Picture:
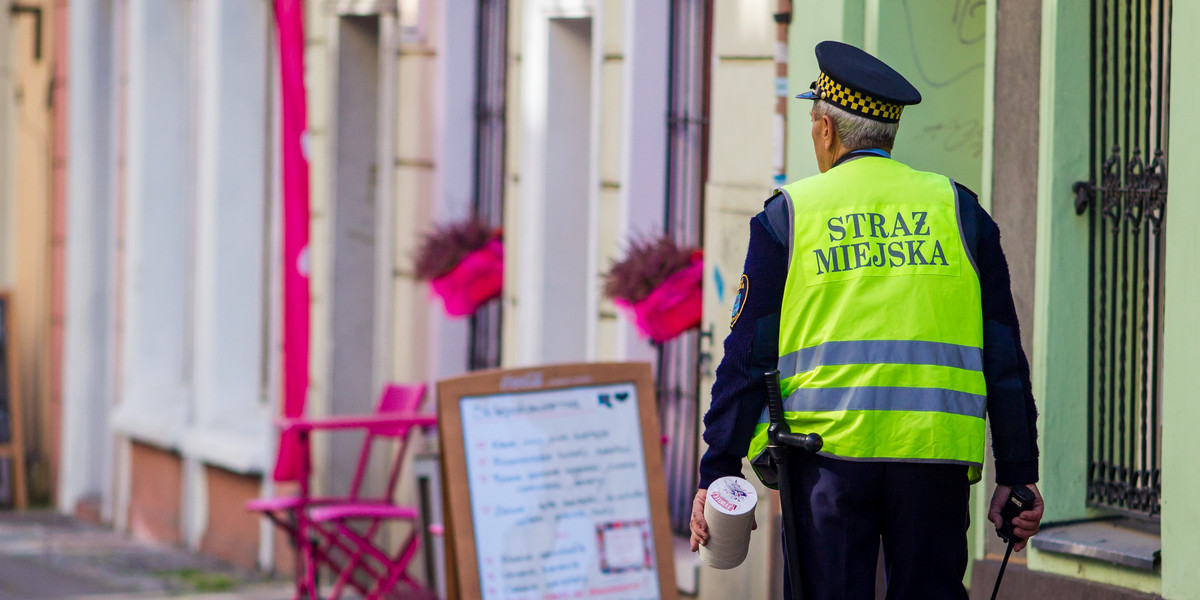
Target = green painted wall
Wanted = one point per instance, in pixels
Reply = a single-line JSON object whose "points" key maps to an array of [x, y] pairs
{"points": [[1181, 346], [1147, 582], [1060, 365], [1060, 328], [939, 46], [989, 106], [817, 22], [939, 53]]}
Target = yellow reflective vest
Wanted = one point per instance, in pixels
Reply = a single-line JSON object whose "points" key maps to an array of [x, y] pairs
{"points": [[880, 333]]}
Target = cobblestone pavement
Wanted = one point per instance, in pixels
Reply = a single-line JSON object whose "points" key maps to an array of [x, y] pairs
{"points": [[47, 555]]}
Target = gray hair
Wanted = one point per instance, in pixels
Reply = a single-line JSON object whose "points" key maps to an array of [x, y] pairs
{"points": [[857, 132]]}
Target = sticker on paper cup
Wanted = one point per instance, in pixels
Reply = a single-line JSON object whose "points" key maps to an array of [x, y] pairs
{"points": [[733, 495]]}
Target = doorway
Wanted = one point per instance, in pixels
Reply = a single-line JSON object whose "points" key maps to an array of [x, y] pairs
{"points": [[354, 214], [565, 219]]}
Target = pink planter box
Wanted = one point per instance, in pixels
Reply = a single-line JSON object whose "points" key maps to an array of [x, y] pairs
{"points": [[672, 308], [478, 278]]}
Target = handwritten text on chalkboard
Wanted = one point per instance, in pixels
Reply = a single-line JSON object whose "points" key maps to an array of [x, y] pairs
{"points": [[559, 493]]}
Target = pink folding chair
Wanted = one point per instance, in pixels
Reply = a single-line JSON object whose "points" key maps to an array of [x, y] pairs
{"points": [[320, 526]]}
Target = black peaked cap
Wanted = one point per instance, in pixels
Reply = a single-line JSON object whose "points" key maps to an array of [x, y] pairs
{"points": [[854, 72]]}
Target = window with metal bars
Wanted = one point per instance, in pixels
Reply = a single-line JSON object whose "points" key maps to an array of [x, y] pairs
{"points": [[687, 160], [490, 94], [1125, 204]]}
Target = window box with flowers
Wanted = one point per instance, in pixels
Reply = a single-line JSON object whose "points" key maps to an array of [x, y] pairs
{"points": [[464, 264], [658, 286]]}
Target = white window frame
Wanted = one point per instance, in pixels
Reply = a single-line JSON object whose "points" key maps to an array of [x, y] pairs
{"points": [[155, 372], [534, 205], [207, 390], [236, 208]]}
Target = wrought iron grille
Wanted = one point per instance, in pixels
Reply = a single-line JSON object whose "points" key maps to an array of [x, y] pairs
{"points": [[687, 160], [490, 91], [1125, 204]]}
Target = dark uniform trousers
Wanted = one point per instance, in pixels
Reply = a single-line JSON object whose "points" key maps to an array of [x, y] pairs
{"points": [[918, 509]]}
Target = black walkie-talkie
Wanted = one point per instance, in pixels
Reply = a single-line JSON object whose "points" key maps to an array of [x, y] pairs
{"points": [[1020, 499]]}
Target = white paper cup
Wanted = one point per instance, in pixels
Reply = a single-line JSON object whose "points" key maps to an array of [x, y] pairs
{"points": [[729, 512]]}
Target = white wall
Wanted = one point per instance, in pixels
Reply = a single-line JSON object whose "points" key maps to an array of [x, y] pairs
{"points": [[89, 340], [231, 397], [159, 191], [623, 191], [740, 178], [168, 339], [565, 230], [555, 282], [643, 141], [454, 148]]}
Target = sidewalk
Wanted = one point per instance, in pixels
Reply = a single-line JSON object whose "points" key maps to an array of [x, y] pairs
{"points": [[46, 555]]}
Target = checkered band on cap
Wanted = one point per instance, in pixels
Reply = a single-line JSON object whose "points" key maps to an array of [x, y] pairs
{"points": [[856, 101]]}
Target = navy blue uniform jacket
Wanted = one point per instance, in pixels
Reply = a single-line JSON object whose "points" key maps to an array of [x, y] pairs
{"points": [[739, 394]]}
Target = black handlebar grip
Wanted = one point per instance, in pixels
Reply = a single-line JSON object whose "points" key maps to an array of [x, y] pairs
{"points": [[1020, 499], [774, 396], [810, 442]]}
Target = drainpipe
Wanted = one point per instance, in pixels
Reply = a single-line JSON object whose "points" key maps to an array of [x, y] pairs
{"points": [[17, 10], [783, 18]]}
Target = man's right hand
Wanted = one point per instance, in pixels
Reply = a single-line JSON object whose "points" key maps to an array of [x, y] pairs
{"points": [[699, 526], [1026, 524]]}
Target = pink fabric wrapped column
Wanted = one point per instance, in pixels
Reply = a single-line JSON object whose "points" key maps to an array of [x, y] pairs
{"points": [[289, 21]]}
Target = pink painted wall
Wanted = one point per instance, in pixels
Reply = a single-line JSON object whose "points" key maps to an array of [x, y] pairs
{"points": [[58, 238]]}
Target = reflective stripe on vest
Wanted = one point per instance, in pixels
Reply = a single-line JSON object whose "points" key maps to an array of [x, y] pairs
{"points": [[881, 334], [880, 351]]}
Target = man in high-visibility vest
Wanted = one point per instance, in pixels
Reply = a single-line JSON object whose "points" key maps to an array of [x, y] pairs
{"points": [[881, 294]]}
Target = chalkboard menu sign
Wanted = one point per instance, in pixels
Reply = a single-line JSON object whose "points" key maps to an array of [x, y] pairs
{"points": [[555, 484]]}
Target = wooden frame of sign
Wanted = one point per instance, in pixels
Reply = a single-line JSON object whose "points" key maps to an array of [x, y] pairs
{"points": [[537, 435], [14, 448]]}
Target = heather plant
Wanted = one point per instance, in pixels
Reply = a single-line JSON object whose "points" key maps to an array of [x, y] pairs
{"points": [[443, 248], [647, 264]]}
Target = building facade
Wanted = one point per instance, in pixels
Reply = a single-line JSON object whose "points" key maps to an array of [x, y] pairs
{"points": [[32, 115], [1142, 409], [171, 375], [578, 126], [1065, 107]]}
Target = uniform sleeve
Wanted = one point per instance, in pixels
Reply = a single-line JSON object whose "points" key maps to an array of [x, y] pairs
{"points": [[1010, 403], [739, 393]]}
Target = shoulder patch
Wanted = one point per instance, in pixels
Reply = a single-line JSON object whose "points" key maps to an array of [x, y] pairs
{"points": [[739, 301]]}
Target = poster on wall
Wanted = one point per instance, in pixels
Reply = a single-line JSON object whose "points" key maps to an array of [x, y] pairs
{"points": [[555, 484]]}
